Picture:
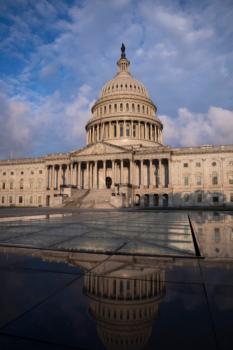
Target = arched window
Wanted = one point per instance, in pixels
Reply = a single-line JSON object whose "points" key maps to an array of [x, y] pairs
{"points": [[143, 109], [121, 107], [105, 109], [109, 108], [3, 185], [127, 107], [133, 107], [115, 107], [11, 185], [138, 108]]}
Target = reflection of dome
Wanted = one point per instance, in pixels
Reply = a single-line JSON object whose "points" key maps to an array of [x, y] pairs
{"points": [[124, 308]]}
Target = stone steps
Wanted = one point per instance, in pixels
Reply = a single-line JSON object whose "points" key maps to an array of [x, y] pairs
{"points": [[94, 198]]}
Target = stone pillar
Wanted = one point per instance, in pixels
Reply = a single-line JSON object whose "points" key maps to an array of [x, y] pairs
{"points": [[113, 173], [95, 175], [88, 174], [48, 177], [104, 173], [59, 177], [160, 174], [51, 177], [79, 174], [131, 171], [55, 177], [152, 172], [121, 171]]}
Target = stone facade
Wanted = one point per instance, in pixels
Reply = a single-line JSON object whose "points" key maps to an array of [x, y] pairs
{"points": [[124, 163]]}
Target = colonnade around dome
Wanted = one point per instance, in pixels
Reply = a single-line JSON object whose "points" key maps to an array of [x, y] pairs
{"points": [[129, 129]]}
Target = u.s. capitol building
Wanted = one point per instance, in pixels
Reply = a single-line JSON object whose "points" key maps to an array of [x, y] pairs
{"points": [[124, 163]]}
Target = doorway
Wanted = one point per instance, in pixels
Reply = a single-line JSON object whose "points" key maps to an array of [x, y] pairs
{"points": [[108, 182]]}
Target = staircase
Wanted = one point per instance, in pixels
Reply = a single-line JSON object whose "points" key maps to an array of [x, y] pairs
{"points": [[94, 198]]}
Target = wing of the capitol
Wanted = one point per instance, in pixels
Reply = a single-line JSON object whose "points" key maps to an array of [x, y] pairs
{"points": [[124, 163]]}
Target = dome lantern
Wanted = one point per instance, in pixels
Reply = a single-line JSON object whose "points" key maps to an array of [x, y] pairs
{"points": [[123, 63]]}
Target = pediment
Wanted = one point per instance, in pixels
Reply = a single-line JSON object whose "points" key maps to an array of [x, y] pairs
{"points": [[100, 148]]}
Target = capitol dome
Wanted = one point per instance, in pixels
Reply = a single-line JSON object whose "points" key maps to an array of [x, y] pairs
{"points": [[124, 113]]}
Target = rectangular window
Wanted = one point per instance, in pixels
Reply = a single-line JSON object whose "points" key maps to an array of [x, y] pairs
{"points": [[115, 131], [121, 130], [215, 199], [39, 200], [198, 164], [134, 130], [127, 130], [3, 200], [198, 180], [40, 172], [20, 199], [230, 179], [217, 235], [186, 165], [231, 197], [31, 200], [10, 200], [199, 198], [186, 181], [214, 180], [11, 185], [3, 186]]}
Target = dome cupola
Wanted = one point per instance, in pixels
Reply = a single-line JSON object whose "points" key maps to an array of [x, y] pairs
{"points": [[124, 114]]}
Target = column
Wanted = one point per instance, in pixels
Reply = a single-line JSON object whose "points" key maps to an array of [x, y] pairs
{"points": [[59, 177], [113, 173], [56, 177], [48, 177], [81, 180], [151, 173], [68, 174], [88, 174], [79, 176], [160, 174], [71, 174], [95, 175], [121, 171], [131, 171], [118, 129], [53, 177], [139, 173], [104, 173]]}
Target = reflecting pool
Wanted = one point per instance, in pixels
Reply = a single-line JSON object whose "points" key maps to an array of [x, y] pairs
{"points": [[117, 280]]}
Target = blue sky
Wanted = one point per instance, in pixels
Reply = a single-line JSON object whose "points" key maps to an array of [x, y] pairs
{"points": [[55, 56]]}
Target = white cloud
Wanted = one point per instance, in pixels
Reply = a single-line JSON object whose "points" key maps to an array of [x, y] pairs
{"points": [[193, 129], [15, 130]]}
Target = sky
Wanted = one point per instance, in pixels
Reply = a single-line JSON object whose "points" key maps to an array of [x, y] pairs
{"points": [[56, 55]]}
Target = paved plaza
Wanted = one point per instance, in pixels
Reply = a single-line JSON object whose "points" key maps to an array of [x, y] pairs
{"points": [[113, 280]]}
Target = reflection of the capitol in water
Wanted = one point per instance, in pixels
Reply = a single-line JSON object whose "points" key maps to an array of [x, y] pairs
{"points": [[125, 304]]}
